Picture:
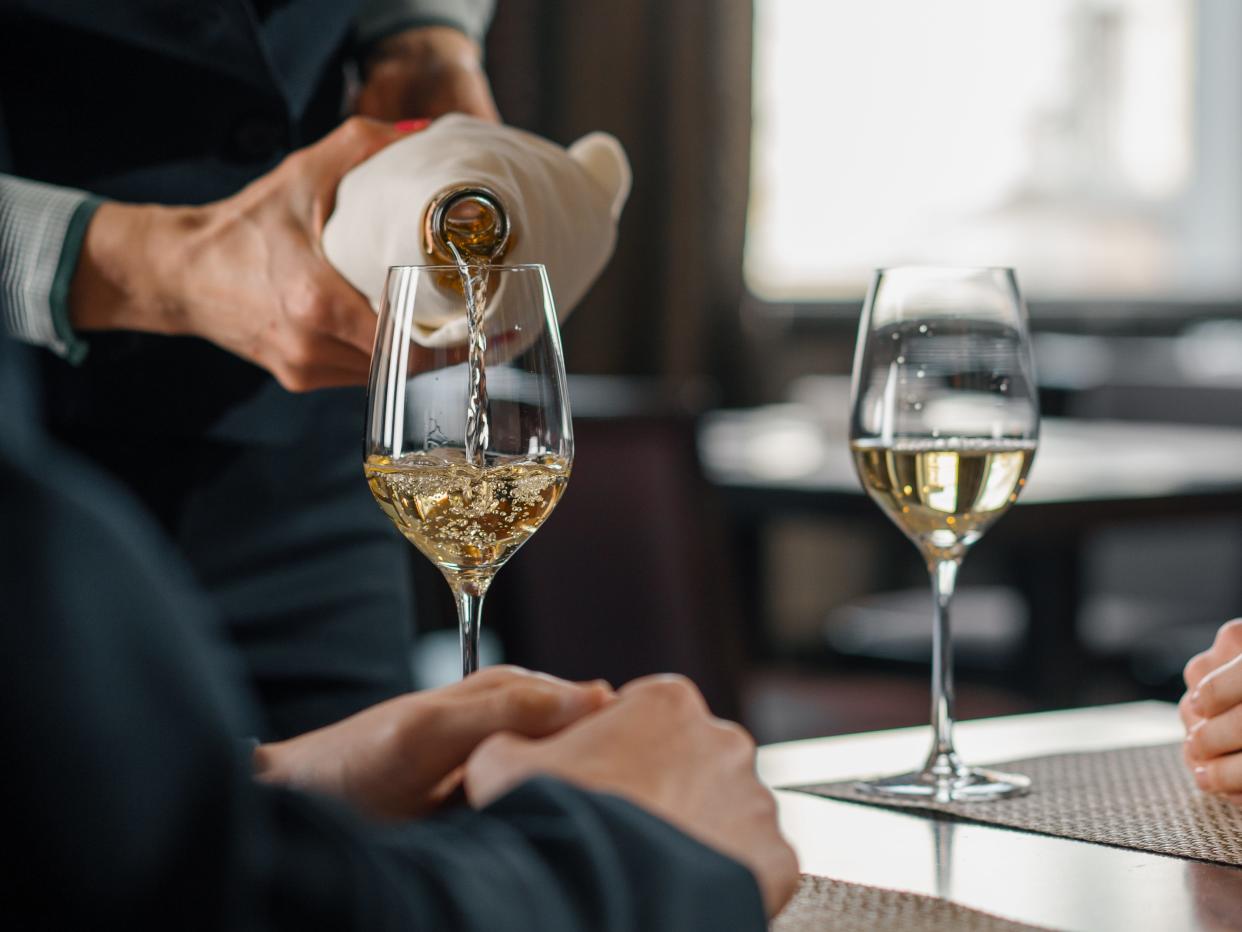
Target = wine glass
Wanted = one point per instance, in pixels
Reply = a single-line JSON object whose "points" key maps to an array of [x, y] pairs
{"points": [[468, 460], [943, 431]]}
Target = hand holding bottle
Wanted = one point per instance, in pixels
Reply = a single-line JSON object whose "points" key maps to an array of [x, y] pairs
{"points": [[246, 273]]}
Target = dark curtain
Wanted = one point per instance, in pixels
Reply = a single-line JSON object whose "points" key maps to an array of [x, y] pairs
{"points": [[630, 575], [672, 81]]}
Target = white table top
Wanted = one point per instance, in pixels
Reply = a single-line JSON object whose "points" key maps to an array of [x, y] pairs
{"points": [[820, 760], [792, 446], [1052, 882]]}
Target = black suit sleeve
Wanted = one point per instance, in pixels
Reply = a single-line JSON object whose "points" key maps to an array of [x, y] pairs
{"points": [[129, 805]]}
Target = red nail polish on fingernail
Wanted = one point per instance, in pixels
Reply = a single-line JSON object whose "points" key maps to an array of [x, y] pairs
{"points": [[411, 126]]}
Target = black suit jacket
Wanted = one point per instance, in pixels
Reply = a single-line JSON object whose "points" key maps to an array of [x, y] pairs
{"points": [[175, 102], [185, 101], [128, 804]]}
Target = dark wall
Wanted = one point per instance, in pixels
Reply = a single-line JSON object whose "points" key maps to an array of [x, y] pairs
{"points": [[672, 81]]}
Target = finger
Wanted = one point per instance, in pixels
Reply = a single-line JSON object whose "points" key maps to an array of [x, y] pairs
{"points": [[1220, 775], [318, 379], [327, 353], [1199, 666], [507, 674], [496, 767], [449, 787], [665, 688], [530, 705], [478, 101], [604, 687], [325, 163], [787, 876], [1228, 643], [354, 141], [1216, 736], [1188, 758], [1219, 690], [1189, 717], [321, 363], [489, 677], [312, 380], [341, 311], [538, 707]]}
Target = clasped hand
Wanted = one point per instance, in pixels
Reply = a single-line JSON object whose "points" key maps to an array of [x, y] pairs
{"points": [[1211, 710], [653, 742], [404, 757]]}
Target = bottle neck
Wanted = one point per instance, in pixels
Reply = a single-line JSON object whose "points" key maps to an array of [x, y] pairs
{"points": [[471, 217]]}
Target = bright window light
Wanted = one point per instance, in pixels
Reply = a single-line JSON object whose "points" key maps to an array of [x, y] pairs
{"points": [[1096, 145]]}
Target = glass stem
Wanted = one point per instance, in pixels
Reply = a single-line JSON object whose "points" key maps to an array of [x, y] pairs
{"points": [[943, 760], [469, 593]]}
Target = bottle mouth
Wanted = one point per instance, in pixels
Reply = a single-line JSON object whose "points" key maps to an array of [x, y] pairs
{"points": [[470, 217], [481, 266]]}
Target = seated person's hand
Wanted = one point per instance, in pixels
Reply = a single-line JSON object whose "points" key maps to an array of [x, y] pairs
{"points": [[658, 746], [1211, 710], [404, 757], [425, 73], [247, 273]]}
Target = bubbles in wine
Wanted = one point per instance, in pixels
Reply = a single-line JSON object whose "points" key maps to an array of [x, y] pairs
{"points": [[462, 515]]}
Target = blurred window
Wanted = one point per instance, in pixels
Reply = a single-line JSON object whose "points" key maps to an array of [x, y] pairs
{"points": [[1096, 145]]}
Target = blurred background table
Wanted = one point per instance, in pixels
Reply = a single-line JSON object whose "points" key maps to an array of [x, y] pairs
{"points": [[792, 460], [1051, 882], [736, 283]]}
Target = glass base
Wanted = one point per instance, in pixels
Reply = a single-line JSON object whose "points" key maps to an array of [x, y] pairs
{"points": [[960, 784]]}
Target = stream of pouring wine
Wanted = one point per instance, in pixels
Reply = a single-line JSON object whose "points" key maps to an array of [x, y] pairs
{"points": [[474, 285]]}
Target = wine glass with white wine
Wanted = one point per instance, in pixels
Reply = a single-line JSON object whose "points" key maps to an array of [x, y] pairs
{"points": [[943, 431], [469, 440]]}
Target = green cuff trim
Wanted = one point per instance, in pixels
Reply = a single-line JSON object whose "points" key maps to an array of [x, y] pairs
{"points": [[75, 233]]}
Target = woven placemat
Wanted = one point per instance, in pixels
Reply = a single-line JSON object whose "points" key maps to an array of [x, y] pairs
{"points": [[822, 903], [1142, 798]]}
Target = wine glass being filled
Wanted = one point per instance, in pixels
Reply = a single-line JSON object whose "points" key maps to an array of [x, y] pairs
{"points": [[469, 440], [943, 431]]}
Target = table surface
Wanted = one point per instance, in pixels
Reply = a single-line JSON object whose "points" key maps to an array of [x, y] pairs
{"points": [[795, 448], [1057, 883]]}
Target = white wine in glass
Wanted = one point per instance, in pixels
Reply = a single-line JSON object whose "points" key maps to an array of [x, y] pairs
{"points": [[944, 428], [469, 438]]}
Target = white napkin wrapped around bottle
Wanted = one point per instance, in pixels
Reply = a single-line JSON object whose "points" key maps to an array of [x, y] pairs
{"points": [[563, 207]]}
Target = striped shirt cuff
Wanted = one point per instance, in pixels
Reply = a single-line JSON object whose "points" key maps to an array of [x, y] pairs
{"points": [[41, 231], [378, 19]]}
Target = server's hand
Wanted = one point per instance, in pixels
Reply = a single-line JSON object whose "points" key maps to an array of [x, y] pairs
{"points": [[404, 757], [246, 273], [425, 73], [658, 746], [1211, 710]]}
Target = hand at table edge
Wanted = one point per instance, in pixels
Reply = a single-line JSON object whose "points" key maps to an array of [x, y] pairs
{"points": [[1211, 712], [659, 747]]}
